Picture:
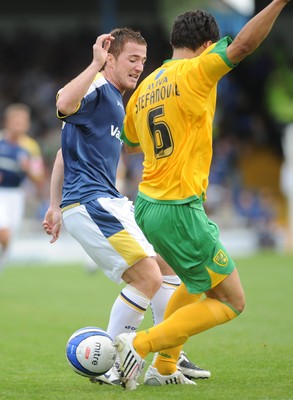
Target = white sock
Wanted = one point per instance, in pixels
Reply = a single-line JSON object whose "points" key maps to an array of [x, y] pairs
{"points": [[161, 298], [127, 311]]}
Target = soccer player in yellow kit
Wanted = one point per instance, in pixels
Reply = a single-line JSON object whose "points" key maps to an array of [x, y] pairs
{"points": [[170, 118]]}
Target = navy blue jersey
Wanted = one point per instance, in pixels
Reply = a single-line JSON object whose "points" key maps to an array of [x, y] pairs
{"points": [[11, 158], [91, 144]]}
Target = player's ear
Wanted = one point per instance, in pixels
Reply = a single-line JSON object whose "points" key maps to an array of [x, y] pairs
{"points": [[207, 44], [110, 59]]}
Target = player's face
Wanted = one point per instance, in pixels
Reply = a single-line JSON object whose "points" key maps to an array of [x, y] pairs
{"points": [[17, 123], [129, 65]]}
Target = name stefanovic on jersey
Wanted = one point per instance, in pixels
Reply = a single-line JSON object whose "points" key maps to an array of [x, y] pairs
{"points": [[157, 91]]}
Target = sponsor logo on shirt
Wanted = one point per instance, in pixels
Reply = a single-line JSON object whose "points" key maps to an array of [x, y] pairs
{"points": [[115, 131]]}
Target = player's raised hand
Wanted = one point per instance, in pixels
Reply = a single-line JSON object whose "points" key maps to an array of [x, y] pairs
{"points": [[101, 47]]}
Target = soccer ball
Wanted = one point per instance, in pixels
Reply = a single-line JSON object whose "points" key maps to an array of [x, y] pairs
{"points": [[90, 351]]}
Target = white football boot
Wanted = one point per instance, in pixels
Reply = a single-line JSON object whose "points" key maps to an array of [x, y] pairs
{"points": [[154, 378], [131, 364]]}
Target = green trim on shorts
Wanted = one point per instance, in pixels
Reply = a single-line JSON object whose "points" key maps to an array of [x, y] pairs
{"points": [[182, 201], [189, 242]]}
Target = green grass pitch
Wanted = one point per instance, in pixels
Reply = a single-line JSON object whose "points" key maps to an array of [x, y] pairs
{"points": [[250, 358]]}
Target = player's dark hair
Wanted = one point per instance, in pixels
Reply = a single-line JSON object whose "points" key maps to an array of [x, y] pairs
{"points": [[193, 28], [123, 36]]}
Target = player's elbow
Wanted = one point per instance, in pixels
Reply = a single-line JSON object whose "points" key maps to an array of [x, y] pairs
{"points": [[64, 106], [240, 50]]}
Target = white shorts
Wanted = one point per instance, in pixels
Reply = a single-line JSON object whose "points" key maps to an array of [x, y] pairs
{"points": [[12, 207], [107, 231]]}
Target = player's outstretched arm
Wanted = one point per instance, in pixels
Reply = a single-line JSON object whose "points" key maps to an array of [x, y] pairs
{"points": [[255, 31]]}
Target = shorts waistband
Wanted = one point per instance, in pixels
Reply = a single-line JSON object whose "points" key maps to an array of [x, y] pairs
{"points": [[69, 207]]}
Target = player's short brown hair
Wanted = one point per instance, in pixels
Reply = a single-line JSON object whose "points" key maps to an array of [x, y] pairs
{"points": [[123, 36]]}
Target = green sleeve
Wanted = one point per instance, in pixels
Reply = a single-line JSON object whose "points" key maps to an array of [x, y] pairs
{"points": [[125, 140], [221, 47]]}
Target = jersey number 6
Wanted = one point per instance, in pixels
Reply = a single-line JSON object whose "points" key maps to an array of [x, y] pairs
{"points": [[160, 132]]}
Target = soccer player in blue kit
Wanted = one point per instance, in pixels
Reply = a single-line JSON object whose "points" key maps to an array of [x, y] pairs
{"points": [[20, 161], [14, 168], [84, 177]]}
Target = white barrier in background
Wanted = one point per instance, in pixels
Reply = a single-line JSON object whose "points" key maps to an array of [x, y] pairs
{"points": [[32, 248]]}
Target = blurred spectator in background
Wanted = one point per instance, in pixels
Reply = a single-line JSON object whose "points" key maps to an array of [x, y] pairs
{"points": [[224, 174], [279, 88], [20, 158], [258, 209]]}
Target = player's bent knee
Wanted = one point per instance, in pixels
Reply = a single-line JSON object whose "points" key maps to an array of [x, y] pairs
{"points": [[238, 304], [241, 306], [145, 275]]}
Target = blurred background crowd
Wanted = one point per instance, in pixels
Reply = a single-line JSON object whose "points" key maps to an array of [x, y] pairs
{"points": [[44, 46]]}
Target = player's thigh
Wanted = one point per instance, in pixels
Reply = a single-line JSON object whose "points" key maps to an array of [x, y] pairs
{"points": [[188, 241], [164, 266], [145, 275], [230, 290], [107, 234], [176, 230]]}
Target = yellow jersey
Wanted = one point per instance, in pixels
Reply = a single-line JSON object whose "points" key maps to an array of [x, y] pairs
{"points": [[31, 145], [170, 115], [37, 167]]}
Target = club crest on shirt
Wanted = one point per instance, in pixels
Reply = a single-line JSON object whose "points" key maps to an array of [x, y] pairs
{"points": [[221, 258]]}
